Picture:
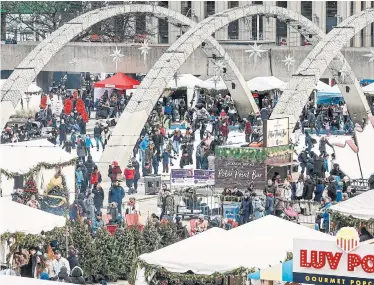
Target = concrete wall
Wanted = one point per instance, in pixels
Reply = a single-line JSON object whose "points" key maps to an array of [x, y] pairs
{"points": [[94, 57]]}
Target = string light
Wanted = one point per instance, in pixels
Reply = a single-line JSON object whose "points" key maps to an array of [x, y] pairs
{"points": [[354, 260], [318, 259]]}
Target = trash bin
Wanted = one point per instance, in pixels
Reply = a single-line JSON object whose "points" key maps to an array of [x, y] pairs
{"points": [[152, 184]]}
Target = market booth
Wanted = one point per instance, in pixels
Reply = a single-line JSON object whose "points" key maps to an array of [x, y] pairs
{"points": [[183, 86], [37, 159]]}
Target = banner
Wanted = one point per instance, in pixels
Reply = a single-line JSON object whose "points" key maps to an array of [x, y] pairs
{"points": [[181, 177], [230, 172], [344, 261], [203, 177]]}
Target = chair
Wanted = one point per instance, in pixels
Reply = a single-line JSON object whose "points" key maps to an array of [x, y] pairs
{"points": [[132, 220]]}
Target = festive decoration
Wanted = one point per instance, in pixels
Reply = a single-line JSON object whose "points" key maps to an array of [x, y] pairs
{"points": [[255, 52], [68, 106], [32, 172], [81, 109], [144, 49], [43, 102], [288, 61], [370, 55], [30, 189], [116, 56], [341, 220], [219, 65], [253, 154], [56, 195], [158, 272]]}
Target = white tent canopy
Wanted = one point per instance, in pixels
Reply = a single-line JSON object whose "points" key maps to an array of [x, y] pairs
{"points": [[26, 219], [369, 88], [22, 156], [214, 82], [15, 280], [360, 206], [184, 80], [265, 83], [330, 91], [256, 244], [321, 85]]}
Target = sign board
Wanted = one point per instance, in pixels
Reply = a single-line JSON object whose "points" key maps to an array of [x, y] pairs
{"points": [[344, 261], [191, 177], [276, 132], [181, 176], [230, 172], [203, 177]]}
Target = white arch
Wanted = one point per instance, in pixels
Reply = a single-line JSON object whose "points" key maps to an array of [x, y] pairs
{"points": [[303, 81], [154, 83], [29, 68]]}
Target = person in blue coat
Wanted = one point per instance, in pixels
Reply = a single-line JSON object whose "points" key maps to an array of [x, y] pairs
{"points": [[143, 146], [308, 141], [155, 163], [319, 190], [116, 194], [325, 215], [73, 139], [168, 110], [88, 143]]}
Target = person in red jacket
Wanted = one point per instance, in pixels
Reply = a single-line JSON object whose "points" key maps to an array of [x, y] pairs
{"points": [[116, 172], [130, 174], [95, 176], [224, 129], [247, 130]]}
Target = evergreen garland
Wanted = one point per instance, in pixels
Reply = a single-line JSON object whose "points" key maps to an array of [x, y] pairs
{"points": [[168, 233], [152, 238], [122, 243]]}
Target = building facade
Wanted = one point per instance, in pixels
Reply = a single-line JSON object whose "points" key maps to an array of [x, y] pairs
{"points": [[326, 14]]}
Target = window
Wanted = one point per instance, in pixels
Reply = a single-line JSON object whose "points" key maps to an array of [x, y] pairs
{"points": [[18, 182], [362, 31], [281, 27], [254, 24], [233, 28], [140, 24], [210, 8], [331, 19], [186, 8], [307, 12], [163, 26]]}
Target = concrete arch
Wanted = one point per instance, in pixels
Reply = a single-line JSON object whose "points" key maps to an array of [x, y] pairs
{"points": [[29, 68], [303, 81], [154, 83]]}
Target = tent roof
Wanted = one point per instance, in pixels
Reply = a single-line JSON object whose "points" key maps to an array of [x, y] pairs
{"points": [[23, 156], [369, 88], [202, 254], [118, 81], [258, 244], [184, 80], [331, 91], [265, 83], [27, 220], [321, 85], [209, 83], [360, 206]]}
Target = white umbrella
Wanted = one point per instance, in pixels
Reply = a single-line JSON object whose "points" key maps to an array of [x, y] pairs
{"points": [[184, 80], [214, 82], [16, 217], [265, 83]]}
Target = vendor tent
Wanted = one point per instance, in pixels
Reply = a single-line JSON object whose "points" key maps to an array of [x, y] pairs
{"points": [[359, 207], [329, 95], [19, 158], [118, 81], [266, 83], [16, 217], [214, 82], [201, 254], [369, 89], [15, 280], [321, 85], [184, 81]]}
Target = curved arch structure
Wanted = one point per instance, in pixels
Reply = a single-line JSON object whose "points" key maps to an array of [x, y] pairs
{"points": [[303, 81], [154, 83], [29, 68]]}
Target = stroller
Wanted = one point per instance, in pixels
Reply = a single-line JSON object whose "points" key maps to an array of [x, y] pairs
{"points": [[290, 214]]}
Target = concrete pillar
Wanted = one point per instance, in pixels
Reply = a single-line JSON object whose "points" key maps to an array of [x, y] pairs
{"points": [[245, 31], [174, 31], [319, 9], [367, 39], [222, 34], [294, 36], [44, 80], [270, 25], [152, 25], [198, 8]]}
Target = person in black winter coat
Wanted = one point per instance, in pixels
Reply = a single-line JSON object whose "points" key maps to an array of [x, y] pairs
{"points": [[67, 146], [319, 166], [89, 166], [336, 171], [365, 235], [371, 181], [98, 196], [136, 165], [184, 160], [77, 276], [72, 258], [331, 189], [309, 186], [63, 130], [82, 126]]}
